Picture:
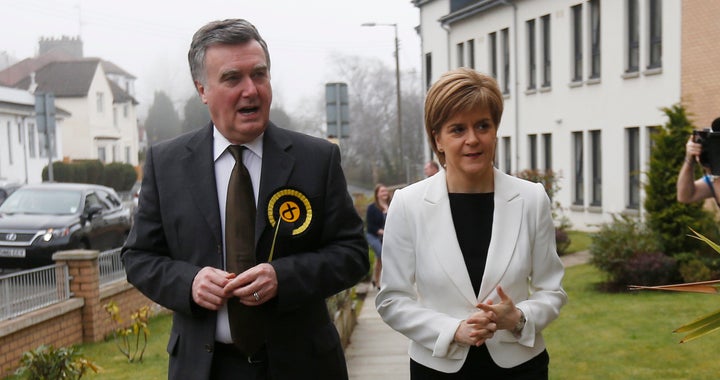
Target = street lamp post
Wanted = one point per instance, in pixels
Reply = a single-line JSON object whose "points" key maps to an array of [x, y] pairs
{"points": [[397, 94]]}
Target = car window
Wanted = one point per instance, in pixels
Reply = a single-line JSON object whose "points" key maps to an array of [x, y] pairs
{"points": [[109, 199], [92, 199], [35, 201]]}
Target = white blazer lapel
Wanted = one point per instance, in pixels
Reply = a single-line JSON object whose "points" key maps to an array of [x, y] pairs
{"points": [[507, 219], [442, 241]]}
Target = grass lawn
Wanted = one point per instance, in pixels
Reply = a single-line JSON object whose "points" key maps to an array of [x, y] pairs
{"points": [[115, 365], [629, 335], [625, 336], [579, 241]]}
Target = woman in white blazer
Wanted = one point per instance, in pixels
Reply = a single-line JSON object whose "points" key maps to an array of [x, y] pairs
{"points": [[470, 270]]}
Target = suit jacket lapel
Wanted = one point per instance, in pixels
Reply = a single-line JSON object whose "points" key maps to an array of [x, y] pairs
{"points": [[436, 207], [507, 219], [277, 164], [200, 164]]}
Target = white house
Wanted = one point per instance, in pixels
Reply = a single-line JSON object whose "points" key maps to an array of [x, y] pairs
{"points": [[97, 94], [584, 84], [23, 149]]}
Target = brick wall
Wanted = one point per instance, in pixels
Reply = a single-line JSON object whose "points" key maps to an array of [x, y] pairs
{"points": [[78, 320], [700, 81]]}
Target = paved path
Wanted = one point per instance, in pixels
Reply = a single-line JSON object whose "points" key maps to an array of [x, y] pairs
{"points": [[377, 352]]}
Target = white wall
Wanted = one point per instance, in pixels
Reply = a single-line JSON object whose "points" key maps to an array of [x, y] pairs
{"points": [[611, 104]]}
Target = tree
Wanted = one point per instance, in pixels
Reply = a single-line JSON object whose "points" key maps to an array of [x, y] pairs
{"points": [[162, 122], [196, 114], [666, 217], [371, 154]]}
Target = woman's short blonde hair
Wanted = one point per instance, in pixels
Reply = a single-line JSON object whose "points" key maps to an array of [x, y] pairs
{"points": [[458, 91]]}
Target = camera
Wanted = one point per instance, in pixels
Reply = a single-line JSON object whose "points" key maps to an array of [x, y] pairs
{"points": [[709, 138]]}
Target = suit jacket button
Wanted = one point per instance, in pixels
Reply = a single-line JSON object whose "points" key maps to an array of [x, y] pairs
{"points": [[209, 348]]}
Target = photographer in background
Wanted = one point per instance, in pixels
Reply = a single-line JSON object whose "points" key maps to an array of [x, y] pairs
{"points": [[690, 190]]}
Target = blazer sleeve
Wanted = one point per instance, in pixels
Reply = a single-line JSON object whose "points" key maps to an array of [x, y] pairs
{"points": [[397, 302], [547, 296]]}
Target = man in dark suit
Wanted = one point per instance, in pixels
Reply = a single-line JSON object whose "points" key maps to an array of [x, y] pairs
{"points": [[308, 238]]}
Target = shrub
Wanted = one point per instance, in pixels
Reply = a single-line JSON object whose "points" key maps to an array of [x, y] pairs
{"points": [[119, 176], [648, 269], [46, 362], [617, 242], [666, 217], [562, 240]]}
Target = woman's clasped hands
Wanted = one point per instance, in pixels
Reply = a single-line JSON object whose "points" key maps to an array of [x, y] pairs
{"points": [[481, 325]]}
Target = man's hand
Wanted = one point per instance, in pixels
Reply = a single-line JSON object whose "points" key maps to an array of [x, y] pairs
{"points": [[260, 280], [207, 287]]}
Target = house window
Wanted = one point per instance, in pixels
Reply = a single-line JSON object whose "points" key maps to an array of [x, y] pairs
{"points": [[595, 39], [578, 172], [127, 155], [126, 111], [507, 148], [546, 59], [633, 37], [596, 165], [101, 154], [532, 151], [100, 102], [114, 153], [655, 21], [633, 167], [460, 54], [10, 145], [471, 53], [492, 54], [32, 151], [651, 132], [506, 60], [532, 67], [577, 43], [428, 70], [547, 150]]}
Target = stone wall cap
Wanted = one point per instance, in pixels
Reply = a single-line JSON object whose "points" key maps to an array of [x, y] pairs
{"points": [[76, 254]]}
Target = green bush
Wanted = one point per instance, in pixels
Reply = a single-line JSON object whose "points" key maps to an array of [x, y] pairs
{"points": [[119, 176], [48, 363], [616, 243], [666, 217], [648, 269]]}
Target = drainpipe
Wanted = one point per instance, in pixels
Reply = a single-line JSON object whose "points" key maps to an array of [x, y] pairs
{"points": [[516, 95]]}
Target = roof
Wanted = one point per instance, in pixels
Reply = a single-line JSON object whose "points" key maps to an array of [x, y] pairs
{"points": [[64, 78], [11, 75], [120, 95], [111, 68], [67, 77]]}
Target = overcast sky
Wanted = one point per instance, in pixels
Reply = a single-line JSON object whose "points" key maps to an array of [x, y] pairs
{"points": [[150, 38]]}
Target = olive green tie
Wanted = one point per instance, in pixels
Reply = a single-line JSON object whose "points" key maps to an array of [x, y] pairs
{"points": [[245, 321]]}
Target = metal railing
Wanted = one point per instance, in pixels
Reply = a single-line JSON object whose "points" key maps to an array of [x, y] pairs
{"points": [[29, 290], [111, 266]]}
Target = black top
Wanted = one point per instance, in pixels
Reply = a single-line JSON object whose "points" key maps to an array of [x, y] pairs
{"points": [[473, 218]]}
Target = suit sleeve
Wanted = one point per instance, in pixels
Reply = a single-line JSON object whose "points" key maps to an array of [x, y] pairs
{"points": [[149, 264]]}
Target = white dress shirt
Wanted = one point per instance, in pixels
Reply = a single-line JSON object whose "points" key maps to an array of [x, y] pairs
{"points": [[224, 163]]}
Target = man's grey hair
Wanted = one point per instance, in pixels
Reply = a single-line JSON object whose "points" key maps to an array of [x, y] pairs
{"points": [[225, 32]]}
